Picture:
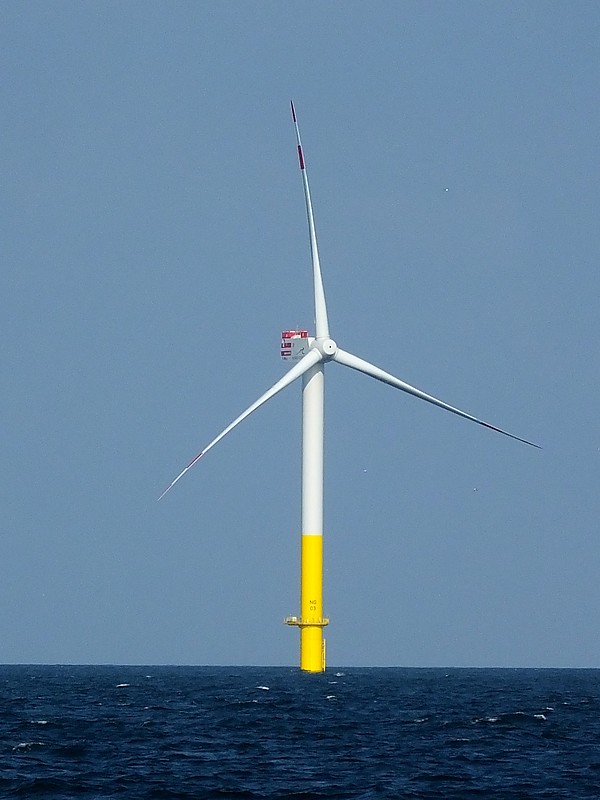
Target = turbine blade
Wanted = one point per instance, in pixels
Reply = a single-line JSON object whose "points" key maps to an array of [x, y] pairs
{"points": [[349, 360], [321, 322], [309, 360]]}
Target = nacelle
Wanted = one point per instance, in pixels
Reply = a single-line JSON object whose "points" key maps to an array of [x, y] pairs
{"points": [[294, 345]]}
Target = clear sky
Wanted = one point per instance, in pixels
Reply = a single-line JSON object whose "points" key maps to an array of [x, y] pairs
{"points": [[153, 247]]}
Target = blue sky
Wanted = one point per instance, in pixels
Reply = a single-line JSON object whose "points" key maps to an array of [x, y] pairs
{"points": [[153, 247]]}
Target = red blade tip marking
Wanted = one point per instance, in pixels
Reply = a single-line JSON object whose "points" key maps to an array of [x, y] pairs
{"points": [[293, 111], [301, 157]]}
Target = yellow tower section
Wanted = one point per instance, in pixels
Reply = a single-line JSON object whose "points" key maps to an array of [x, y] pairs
{"points": [[311, 621], [312, 643]]}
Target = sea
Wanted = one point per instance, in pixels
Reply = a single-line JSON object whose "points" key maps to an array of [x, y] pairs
{"points": [[265, 733]]}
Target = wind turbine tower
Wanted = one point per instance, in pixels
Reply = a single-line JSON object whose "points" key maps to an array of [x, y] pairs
{"points": [[311, 355]]}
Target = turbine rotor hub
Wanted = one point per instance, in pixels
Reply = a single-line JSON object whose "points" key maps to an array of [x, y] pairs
{"points": [[327, 348]]}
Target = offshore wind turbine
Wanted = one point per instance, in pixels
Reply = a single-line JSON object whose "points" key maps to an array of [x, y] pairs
{"points": [[311, 355]]}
